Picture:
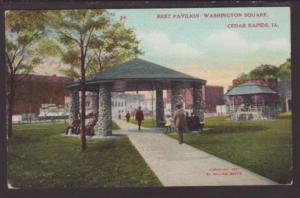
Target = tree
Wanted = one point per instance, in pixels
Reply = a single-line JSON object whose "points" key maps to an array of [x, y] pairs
{"points": [[23, 31], [240, 79], [116, 45], [74, 31], [264, 72], [285, 70], [88, 41]]}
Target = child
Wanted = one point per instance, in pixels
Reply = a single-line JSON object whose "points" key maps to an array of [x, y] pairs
{"points": [[168, 123]]}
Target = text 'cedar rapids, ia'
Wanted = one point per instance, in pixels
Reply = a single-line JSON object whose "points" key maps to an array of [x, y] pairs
{"points": [[252, 25]]}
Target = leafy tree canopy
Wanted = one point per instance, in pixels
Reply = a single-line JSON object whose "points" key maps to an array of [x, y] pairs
{"points": [[268, 72], [104, 42], [264, 72], [285, 70], [23, 30]]}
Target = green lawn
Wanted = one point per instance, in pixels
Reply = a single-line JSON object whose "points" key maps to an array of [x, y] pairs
{"points": [[147, 122], [40, 157], [265, 147], [115, 126]]}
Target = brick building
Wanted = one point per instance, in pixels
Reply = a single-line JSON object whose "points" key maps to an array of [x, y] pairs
{"points": [[213, 96], [34, 90]]}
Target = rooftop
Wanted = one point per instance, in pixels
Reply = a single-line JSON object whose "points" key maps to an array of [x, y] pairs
{"points": [[141, 75], [249, 89], [43, 78], [140, 69]]}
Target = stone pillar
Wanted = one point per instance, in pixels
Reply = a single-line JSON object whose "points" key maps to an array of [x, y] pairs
{"points": [[159, 104], [74, 109], [97, 103], [197, 101], [175, 96], [104, 124]]}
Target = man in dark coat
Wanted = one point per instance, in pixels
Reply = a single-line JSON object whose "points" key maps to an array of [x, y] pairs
{"points": [[127, 116], [180, 122], [139, 117]]}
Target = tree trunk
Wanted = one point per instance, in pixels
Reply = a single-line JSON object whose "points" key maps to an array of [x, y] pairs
{"points": [[82, 86], [10, 103], [9, 121]]}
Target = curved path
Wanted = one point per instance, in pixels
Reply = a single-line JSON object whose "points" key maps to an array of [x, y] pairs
{"points": [[184, 165]]}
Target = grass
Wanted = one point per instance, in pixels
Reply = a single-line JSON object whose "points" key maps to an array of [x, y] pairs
{"points": [[147, 122], [115, 126], [264, 147], [39, 157]]}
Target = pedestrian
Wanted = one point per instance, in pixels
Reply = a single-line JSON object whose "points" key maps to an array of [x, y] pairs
{"points": [[119, 115], [180, 122], [168, 123], [139, 117], [127, 116]]}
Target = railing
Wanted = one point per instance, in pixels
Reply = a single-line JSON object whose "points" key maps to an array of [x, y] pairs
{"points": [[252, 113], [48, 119]]}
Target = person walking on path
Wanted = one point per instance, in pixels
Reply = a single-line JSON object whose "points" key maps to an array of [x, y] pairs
{"points": [[180, 122], [139, 117], [119, 115], [127, 116]]}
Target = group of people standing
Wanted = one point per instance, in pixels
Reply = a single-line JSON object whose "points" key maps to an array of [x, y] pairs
{"points": [[179, 121]]}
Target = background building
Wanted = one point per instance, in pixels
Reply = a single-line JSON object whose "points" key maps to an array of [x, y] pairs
{"points": [[33, 91]]}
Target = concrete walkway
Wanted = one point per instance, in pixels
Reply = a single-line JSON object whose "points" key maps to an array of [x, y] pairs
{"points": [[184, 165]]}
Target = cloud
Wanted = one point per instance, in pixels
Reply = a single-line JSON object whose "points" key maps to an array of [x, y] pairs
{"points": [[159, 45], [232, 41], [277, 45]]}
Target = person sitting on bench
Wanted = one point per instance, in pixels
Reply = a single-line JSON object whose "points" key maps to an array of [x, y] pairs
{"points": [[91, 124], [74, 128]]}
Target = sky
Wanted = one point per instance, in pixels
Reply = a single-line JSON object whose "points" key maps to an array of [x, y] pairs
{"points": [[206, 47], [209, 48]]}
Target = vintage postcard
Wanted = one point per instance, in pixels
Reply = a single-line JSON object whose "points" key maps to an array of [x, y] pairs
{"points": [[149, 97]]}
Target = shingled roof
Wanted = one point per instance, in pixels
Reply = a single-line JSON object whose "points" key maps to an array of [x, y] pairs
{"points": [[141, 69], [139, 74], [249, 89]]}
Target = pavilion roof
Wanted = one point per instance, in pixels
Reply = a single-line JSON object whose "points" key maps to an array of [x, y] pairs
{"points": [[249, 89], [138, 74], [140, 69]]}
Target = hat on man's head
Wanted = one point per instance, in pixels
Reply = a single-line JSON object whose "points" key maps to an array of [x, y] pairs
{"points": [[178, 105]]}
